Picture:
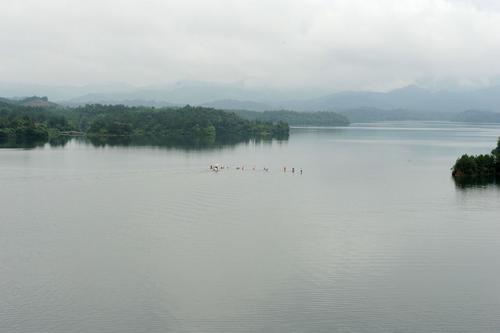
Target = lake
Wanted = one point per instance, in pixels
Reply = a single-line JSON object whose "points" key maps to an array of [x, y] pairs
{"points": [[374, 236]]}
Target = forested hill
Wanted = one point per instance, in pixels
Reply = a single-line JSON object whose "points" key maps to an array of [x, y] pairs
{"points": [[293, 118], [188, 125], [485, 166], [33, 101], [21, 123]]}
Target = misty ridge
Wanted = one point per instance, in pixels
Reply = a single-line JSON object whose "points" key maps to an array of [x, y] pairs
{"points": [[408, 103]]}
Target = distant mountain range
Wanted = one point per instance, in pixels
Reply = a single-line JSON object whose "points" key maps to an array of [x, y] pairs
{"points": [[238, 96], [410, 102], [231, 104], [320, 118], [409, 98]]}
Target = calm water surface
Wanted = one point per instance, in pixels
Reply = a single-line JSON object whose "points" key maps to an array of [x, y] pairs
{"points": [[373, 237]]}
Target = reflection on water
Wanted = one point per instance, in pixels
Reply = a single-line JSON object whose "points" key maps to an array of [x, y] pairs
{"points": [[21, 144], [138, 141], [59, 141], [169, 143], [476, 182]]}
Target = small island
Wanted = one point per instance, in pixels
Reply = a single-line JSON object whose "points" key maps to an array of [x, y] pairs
{"points": [[478, 167]]}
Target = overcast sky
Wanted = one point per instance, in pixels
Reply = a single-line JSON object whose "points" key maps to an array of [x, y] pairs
{"points": [[337, 44]]}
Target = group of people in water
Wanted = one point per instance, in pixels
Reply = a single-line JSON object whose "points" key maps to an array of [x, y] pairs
{"points": [[219, 167], [293, 170]]}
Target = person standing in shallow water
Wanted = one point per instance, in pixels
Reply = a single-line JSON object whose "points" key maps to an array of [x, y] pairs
{"points": [[293, 170], [300, 171]]}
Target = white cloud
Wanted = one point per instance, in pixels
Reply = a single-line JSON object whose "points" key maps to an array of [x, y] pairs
{"points": [[327, 44]]}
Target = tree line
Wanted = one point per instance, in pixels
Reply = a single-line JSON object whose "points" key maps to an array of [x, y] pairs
{"points": [[478, 166], [293, 118], [190, 125]]}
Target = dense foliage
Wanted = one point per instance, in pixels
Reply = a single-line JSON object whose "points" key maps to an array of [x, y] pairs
{"points": [[297, 118], [468, 166], [187, 125], [30, 124]]}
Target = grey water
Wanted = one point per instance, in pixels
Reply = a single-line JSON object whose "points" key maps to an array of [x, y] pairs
{"points": [[374, 236]]}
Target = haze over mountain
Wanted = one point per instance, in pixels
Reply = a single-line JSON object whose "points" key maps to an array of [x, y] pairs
{"points": [[238, 97], [410, 98]]}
